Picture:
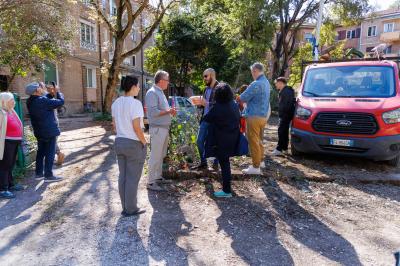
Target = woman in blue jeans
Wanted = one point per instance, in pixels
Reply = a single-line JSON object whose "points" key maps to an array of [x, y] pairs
{"points": [[223, 134]]}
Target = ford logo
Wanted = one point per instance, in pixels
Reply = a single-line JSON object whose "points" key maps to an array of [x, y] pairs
{"points": [[344, 123]]}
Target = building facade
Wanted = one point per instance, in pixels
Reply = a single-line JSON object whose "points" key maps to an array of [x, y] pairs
{"points": [[381, 27], [79, 75]]}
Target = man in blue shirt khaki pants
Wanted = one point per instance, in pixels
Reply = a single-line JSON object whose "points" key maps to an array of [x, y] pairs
{"points": [[256, 98]]}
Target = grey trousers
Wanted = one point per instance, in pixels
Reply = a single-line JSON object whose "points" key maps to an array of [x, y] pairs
{"points": [[131, 156]]}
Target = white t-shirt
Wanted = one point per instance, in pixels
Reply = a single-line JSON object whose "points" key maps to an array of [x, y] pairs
{"points": [[124, 110]]}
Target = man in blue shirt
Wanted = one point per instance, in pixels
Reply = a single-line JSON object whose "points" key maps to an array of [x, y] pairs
{"points": [[256, 98], [211, 82]]}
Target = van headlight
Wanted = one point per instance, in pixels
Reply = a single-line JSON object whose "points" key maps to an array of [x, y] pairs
{"points": [[303, 113], [391, 117]]}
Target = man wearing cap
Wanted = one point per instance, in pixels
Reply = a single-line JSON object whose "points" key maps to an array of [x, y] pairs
{"points": [[45, 128]]}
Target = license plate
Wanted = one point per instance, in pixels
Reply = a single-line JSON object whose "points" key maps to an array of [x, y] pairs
{"points": [[342, 142]]}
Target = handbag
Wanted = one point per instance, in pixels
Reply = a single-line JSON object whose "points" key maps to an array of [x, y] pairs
{"points": [[243, 145]]}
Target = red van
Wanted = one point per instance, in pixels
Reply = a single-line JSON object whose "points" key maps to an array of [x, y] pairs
{"points": [[349, 108]]}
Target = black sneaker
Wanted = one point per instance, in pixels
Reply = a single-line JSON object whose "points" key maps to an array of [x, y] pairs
{"points": [[202, 166], [138, 212], [39, 177], [52, 179]]}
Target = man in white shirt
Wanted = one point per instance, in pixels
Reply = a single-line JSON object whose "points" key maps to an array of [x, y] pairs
{"points": [[159, 114]]}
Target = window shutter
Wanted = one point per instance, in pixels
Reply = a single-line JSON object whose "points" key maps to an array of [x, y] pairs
{"points": [[341, 35], [358, 33]]}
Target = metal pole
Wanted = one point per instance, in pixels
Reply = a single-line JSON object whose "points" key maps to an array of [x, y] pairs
{"points": [[142, 56], [318, 33]]}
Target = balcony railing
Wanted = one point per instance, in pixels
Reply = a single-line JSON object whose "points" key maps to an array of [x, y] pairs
{"points": [[89, 46], [390, 36]]}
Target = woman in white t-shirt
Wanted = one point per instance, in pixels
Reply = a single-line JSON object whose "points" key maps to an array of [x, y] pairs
{"points": [[130, 144]]}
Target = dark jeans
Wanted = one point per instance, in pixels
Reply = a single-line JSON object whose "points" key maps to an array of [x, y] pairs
{"points": [[201, 141], [226, 174], [46, 152], [8, 163], [283, 134]]}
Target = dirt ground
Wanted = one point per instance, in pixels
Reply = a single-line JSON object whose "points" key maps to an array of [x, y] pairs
{"points": [[279, 219]]}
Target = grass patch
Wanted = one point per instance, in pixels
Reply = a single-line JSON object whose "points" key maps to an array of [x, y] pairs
{"points": [[102, 117]]}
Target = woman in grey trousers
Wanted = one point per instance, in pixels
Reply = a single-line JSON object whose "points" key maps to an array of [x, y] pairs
{"points": [[130, 144]]}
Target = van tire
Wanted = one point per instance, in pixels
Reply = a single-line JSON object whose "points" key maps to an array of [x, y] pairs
{"points": [[395, 161], [295, 152]]}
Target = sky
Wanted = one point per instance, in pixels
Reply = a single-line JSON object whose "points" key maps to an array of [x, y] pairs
{"points": [[381, 4]]}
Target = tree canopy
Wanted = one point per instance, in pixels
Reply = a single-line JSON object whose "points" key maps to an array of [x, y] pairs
{"points": [[185, 47], [27, 39]]}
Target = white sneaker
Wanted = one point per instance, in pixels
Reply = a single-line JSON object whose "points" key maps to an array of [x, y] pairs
{"points": [[252, 171], [277, 153], [262, 164]]}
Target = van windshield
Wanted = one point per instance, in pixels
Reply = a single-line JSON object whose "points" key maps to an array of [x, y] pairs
{"points": [[350, 81]]}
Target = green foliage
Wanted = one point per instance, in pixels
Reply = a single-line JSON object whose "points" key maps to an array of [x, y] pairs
{"points": [[102, 117], [33, 32], [304, 52], [349, 12], [328, 34], [185, 47], [182, 143]]}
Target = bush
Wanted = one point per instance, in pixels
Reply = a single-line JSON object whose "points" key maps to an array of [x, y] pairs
{"points": [[102, 117], [182, 147]]}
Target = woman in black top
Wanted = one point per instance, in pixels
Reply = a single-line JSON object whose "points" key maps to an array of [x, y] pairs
{"points": [[223, 134]]}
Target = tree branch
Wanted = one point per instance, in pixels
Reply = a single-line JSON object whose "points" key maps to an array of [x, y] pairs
{"points": [[160, 14], [102, 16]]}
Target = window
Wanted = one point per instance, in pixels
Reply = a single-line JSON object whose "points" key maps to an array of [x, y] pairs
{"points": [[371, 31], [350, 81], [308, 37], [134, 34], [188, 103], [369, 49], [388, 27], [86, 2], [90, 77], [134, 60], [388, 50], [87, 36], [341, 35], [50, 72], [351, 34], [113, 8], [3, 82]]}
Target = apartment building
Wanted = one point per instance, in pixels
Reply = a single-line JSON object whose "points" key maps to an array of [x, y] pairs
{"points": [[381, 27], [79, 74]]}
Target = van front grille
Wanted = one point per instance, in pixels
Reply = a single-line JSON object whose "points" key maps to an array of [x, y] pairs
{"points": [[346, 123]]}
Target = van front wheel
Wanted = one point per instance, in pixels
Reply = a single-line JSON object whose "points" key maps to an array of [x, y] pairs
{"points": [[395, 161]]}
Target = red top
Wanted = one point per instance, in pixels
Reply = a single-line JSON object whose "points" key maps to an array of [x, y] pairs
{"points": [[14, 127]]}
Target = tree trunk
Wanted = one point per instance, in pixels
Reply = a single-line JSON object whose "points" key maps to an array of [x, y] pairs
{"points": [[113, 73]]}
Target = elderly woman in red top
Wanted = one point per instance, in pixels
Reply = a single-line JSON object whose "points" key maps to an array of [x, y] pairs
{"points": [[11, 132]]}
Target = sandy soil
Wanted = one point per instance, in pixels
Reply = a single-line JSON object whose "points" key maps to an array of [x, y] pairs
{"points": [[292, 221]]}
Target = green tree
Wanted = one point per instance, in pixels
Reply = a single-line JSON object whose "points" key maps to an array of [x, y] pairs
{"points": [[184, 48], [31, 32], [395, 4], [247, 30], [120, 26], [292, 14]]}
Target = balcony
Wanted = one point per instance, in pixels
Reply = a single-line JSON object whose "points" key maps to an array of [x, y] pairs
{"points": [[88, 46], [390, 36]]}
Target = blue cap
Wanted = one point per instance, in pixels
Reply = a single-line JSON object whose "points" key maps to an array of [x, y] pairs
{"points": [[31, 88]]}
